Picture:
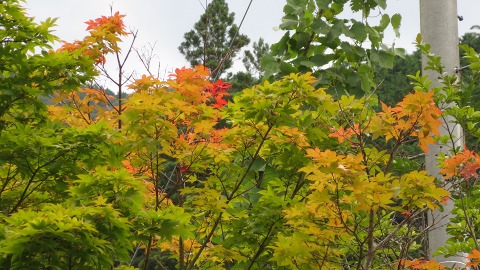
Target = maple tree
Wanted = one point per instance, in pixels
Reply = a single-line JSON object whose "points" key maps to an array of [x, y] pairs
{"points": [[48, 217], [287, 175]]}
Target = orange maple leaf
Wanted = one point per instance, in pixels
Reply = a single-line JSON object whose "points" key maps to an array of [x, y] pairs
{"points": [[420, 264], [113, 23], [104, 37], [341, 134], [191, 83], [465, 164], [415, 116], [474, 258], [187, 74]]}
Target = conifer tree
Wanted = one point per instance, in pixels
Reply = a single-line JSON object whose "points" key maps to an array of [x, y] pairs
{"points": [[210, 41]]}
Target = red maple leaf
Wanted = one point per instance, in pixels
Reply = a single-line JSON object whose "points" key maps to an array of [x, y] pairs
{"points": [[219, 102], [470, 170], [218, 90], [184, 168]]}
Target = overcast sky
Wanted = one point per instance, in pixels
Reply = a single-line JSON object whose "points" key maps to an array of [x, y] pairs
{"points": [[165, 21]]}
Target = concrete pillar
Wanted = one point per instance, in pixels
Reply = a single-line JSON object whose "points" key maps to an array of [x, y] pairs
{"points": [[439, 28]]}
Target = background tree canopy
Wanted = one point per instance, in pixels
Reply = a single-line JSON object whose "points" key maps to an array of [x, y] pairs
{"points": [[214, 40]]}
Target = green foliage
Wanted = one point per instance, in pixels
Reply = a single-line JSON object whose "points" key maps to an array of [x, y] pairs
{"points": [[463, 227], [118, 188], [39, 163], [124, 267], [29, 68], [254, 71], [239, 81], [65, 237], [470, 99], [315, 42], [214, 40], [463, 164], [54, 216], [393, 83], [252, 59]]}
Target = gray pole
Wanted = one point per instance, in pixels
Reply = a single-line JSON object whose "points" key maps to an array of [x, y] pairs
{"points": [[439, 28]]}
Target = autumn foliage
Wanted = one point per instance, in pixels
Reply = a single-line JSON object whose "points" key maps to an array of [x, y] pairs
{"points": [[464, 165], [105, 36], [285, 176], [176, 144]]}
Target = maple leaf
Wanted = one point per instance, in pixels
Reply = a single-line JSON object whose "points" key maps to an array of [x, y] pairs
{"points": [[191, 83], [204, 126], [465, 164], [219, 102], [128, 166], [415, 116], [114, 23], [188, 74], [150, 187], [218, 90], [104, 37], [470, 170], [341, 134], [218, 87], [184, 168], [420, 264], [145, 83], [474, 258], [70, 46]]}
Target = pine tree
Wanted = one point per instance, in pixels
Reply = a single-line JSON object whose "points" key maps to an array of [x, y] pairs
{"points": [[252, 63], [252, 59], [210, 41]]}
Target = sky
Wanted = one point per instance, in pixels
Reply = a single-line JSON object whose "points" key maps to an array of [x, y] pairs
{"points": [[163, 22]]}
